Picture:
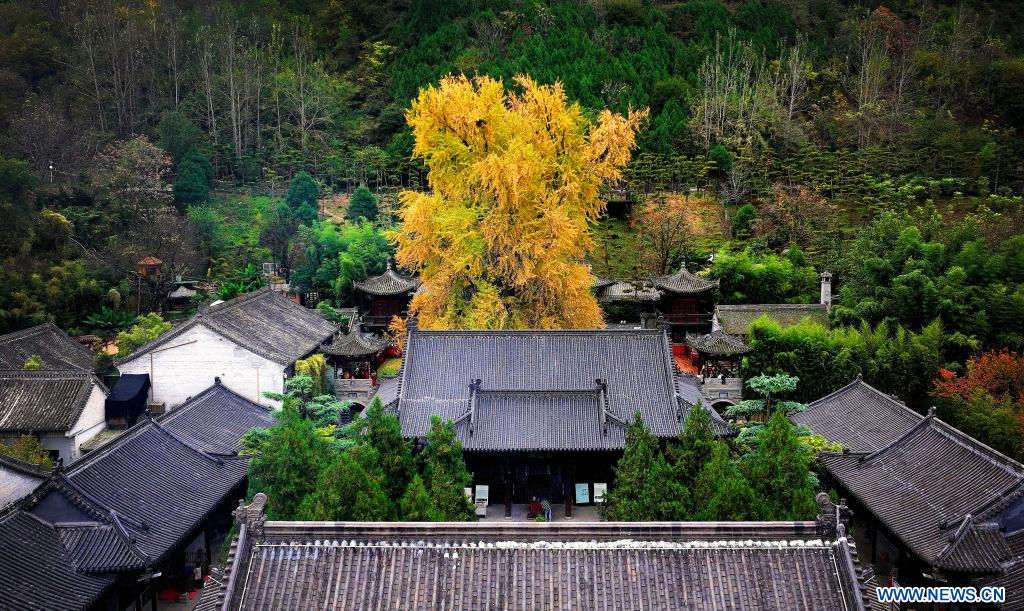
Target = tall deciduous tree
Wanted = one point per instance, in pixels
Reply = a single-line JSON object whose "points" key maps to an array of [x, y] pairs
{"points": [[500, 238], [444, 472]]}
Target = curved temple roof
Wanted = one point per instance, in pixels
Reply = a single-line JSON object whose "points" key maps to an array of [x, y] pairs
{"points": [[388, 283], [684, 283]]}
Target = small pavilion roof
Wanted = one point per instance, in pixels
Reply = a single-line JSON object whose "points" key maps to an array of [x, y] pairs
{"points": [[717, 343], [388, 283], [684, 283], [355, 343]]}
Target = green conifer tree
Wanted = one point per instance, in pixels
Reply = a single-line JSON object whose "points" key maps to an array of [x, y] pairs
{"points": [[362, 204], [416, 504], [645, 486], [721, 492], [444, 472], [289, 465], [347, 490], [303, 190], [780, 473], [693, 449], [383, 432]]}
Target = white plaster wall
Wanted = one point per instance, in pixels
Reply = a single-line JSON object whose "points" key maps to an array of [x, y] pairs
{"points": [[187, 365], [65, 446], [90, 423], [15, 485]]}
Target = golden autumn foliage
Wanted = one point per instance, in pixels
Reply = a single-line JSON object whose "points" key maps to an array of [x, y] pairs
{"points": [[500, 239]]}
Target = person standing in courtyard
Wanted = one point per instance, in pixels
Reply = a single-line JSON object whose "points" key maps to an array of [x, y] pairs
{"points": [[545, 505]]}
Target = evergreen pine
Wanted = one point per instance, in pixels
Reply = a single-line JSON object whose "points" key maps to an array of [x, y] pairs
{"points": [[444, 472], [416, 504], [288, 467], [693, 449], [362, 204], [384, 433], [780, 473], [721, 492], [645, 487], [303, 190], [195, 177], [347, 490]]}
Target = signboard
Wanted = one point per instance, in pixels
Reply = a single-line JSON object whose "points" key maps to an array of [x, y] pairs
{"points": [[482, 500], [600, 491], [582, 494]]}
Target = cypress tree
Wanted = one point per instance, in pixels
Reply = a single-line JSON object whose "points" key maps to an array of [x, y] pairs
{"points": [[362, 204], [693, 448], [645, 486], [444, 472], [289, 463], [780, 473], [302, 190], [383, 432], [195, 177], [721, 492], [347, 490], [416, 504]]}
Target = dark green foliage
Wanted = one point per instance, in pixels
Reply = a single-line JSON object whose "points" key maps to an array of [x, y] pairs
{"points": [[722, 158], [289, 464], [362, 205], [302, 191], [178, 135], [195, 177], [383, 432], [645, 487], [779, 473], [335, 257], [444, 472], [416, 504], [746, 277], [108, 322], [721, 492], [693, 449], [743, 221], [347, 490]]}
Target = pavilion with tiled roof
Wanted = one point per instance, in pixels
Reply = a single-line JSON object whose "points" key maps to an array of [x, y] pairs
{"points": [[89, 535], [538, 410], [686, 300], [524, 566], [859, 417], [56, 349], [941, 507], [385, 296]]}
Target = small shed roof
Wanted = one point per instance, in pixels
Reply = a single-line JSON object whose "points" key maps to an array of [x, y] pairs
{"points": [[44, 400], [736, 319], [57, 349]]}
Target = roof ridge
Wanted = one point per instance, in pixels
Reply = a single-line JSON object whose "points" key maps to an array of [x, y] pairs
{"points": [[184, 442], [30, 331], [747, 306], [987, 452], [513, 332], [923, 424], [203, 395], [47, 374]]}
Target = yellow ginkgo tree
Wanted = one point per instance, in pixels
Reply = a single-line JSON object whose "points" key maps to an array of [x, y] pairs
{"points": [[501, 237]]}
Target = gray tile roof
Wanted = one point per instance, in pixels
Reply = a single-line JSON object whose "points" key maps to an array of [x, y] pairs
{"points": [[858, 416], [440, 365], [264, 322], [215, 420], [650, 566], [44, 400], [934, 488], [126, 505], [355, 343], [736, 319], [684, 283], [621, 290], [57, 349], [717, 343], [540, 420], [388, 283]]}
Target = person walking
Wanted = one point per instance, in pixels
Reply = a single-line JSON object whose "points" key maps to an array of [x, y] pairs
{"points": [[546, 506]]}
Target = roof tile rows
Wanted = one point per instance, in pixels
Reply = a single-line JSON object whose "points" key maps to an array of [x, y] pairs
{"points": [[717, 343], [264, 322], [36, 401], [124, 506], [388, 283], [858, 417], [54, 347], [662, 566], [684, 283], [636, 364], [736, 319]]}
